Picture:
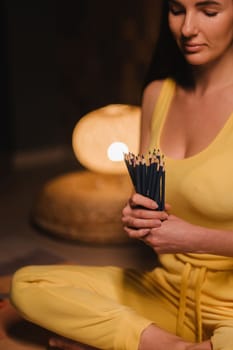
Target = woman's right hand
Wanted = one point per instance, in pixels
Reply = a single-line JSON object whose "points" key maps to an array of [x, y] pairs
{"points": [[139, 216]]}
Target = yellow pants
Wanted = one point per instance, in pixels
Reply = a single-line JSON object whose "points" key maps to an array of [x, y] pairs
{"points": [[109, 307]]}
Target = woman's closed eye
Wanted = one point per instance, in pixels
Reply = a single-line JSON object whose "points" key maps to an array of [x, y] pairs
{"points": [[210, 13], [176, 10]]}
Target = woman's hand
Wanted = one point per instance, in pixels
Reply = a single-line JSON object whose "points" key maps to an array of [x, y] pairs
{"points": [[174, 235], [164, 233], [139, 216]]}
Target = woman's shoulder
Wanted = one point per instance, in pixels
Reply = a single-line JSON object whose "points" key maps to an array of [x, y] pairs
{"points": [[151, 94], [152, 90]]}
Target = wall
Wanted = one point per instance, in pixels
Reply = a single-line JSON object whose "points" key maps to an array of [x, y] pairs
{"points": [[68, 57]]}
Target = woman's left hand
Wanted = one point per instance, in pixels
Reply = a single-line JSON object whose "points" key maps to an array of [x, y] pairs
{"points": [[173, 236]]}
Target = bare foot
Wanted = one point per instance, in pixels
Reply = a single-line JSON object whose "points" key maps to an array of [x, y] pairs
{"points": [[67, 344], [156, 338]]}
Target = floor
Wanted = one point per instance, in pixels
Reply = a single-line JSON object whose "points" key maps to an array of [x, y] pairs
{"points": [[22, 243], [19, 238]]}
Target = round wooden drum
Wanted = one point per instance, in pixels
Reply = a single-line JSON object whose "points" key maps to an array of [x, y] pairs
{"points": [[84, 206]]}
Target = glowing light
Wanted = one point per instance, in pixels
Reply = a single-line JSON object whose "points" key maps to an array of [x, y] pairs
{"points": [[116, 151]]}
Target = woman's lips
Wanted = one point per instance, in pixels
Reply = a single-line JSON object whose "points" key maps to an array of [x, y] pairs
{"points": [[192, 48]]}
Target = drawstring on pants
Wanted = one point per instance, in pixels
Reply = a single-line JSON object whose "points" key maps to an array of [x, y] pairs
{"points": [[182, 306], [183, 295], [200, 280]]}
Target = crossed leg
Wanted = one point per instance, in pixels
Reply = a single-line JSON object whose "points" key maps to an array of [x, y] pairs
{"points": [[105, 307]]}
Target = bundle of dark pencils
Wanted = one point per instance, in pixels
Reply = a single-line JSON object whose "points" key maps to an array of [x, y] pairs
{"points": [[148, 175]]}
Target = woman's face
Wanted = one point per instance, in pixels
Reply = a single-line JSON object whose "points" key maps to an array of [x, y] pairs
{"points": [[203, 29]]}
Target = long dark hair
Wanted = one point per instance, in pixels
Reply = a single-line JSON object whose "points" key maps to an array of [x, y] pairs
{"points": [[167, 59]]}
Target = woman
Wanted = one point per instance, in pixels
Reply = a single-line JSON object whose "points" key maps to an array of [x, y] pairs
{"points": [[187, 302]]}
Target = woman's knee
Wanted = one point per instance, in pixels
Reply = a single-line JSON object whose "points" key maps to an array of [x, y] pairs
{"points": [[20, 282]]}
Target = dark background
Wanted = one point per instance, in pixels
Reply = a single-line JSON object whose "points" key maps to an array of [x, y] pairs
{"points": [[61, 59]]}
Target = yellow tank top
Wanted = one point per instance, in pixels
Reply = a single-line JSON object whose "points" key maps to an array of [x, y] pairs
{"points": [[199, 188]]}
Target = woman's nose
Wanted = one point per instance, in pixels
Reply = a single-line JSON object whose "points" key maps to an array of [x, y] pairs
{"points": [[189, 26]]}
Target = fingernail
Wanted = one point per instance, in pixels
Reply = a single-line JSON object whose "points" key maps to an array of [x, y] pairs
{"points": [[146, 232], [154, 205]]}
